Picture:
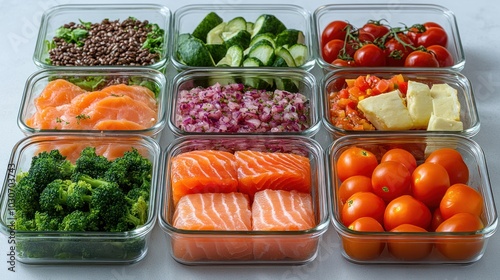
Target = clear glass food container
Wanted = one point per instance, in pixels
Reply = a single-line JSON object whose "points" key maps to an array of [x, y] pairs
{"points": [[335, 81], [64, 112], [69, 247], [245, 247], [187, 18], [60, 15], [414, 247], [394, 14], [237, 113]]}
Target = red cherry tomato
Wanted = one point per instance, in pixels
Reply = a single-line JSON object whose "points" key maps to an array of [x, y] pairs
{"points": [[332, 49], [421, 58], [391, 179], [369, 55], [374, 28], [402, 156], [336, 29], [430, 24], [396, 52], [443, 56], [406, 210], [433, 36], [343, 62], [429, 183]]}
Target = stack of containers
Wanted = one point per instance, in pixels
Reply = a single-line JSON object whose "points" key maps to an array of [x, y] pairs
{"points": [[60, 100], [369, 245], [264, 108]]}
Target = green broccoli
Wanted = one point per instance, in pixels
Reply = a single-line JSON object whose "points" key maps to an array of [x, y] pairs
{"points": [[78, 195], [91, 164], [24, 223], [130, 171], [74, 221], [46, 222], [48, 166], [53, 197], [26, 197]]}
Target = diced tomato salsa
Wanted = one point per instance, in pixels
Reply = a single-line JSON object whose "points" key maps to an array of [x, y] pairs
{"points": [[343, 104]]}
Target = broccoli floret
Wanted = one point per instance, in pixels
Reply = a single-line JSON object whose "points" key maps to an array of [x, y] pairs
{"points": [[46, 222], [129, 171], [24, 223], [89, 163], [48, 166], [79, 195], [53, 197], [26, 197], [74, 221]]}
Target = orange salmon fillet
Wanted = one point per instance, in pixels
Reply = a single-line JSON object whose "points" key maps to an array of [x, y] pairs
{"points": [[212, 211], [278, 171], [57, 92], [203, 171], [139, 93]]}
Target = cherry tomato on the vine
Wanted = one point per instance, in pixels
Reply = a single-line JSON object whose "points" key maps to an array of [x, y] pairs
{"points": [[395, 51], [336, 29], [433, 36], [343, 62], [374, 28], [332, 49], [355, 161], [369, 55], [406, 210], [443, 56], [391, 179], [420, 58]]}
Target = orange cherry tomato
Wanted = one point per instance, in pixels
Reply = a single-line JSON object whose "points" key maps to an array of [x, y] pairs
{"points": [[352, 185], [363, 248], [465, 247], [391, 179], [402, 156], [363, 204], [461, 198], [429, 183], [407, 248], [406, 210], [355, 161], [453, 162]]}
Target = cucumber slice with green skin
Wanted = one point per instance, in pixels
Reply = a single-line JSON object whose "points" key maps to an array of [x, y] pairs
{"points": [[214, 35], [265, 36], [299, 53], [268, 24], [290, 37], [263, 52], [240, 38], [183, 37], [233, 58], [258, 83], [250, 26], [193, 52], [287, 85], [218, 51], [210, 21], [235, 25], [252, 62], [279, 62], [285, 55]]}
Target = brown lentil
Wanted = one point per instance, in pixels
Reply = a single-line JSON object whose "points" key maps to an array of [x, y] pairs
{"points": [[107, 43]]}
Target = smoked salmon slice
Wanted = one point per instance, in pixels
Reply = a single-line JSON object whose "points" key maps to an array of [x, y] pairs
{"points": [[278, 171], [139, 93], [212, 211], [57, 92], [279, 210], [203, 171]]}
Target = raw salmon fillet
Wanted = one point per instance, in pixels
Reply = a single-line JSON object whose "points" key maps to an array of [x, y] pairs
{"points": [[139, 93], [279, 210], [212, 211], [57, 92], [203, 171], [278, 171]]}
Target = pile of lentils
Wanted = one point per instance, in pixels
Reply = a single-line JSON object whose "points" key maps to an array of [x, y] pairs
{"points": [[106, 43]]}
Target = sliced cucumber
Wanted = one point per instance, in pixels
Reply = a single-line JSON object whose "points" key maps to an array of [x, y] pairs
{"points": [[252, 62], [258, 83], [287, 85], [290, 37], [250, 26], [299, 53], [240, 38], [233, 57], [183, 37], [235, 25], [286, 56], [268, 24], [264, 36], [214, 35], [218, 51], [263, 51], [210, 21], [193, 52], [279, 62]]}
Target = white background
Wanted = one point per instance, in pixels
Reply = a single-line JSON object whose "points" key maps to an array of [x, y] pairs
{"points": [[479, 29]]}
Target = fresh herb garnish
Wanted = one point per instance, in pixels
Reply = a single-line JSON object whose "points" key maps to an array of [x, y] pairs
{"points": [[152, 86], [154, 39], [81, 117], [89, 83], [86, 24], [75, 36]]}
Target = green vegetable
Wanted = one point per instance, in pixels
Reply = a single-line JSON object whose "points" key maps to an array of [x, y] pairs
{"points": [[75, 36], [154, 39], [233, 58], [240, 38], [214, 35], [218, 51], [290, 37], [252, 62], [283, 53], [287, 84], [263, 51], [193, 52], [235, 25], [264, 36], [268, 24], [299, 53], [210, 21]]}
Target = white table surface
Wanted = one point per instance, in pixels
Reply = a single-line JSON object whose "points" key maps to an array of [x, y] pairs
{"points": [[478, 25]]}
